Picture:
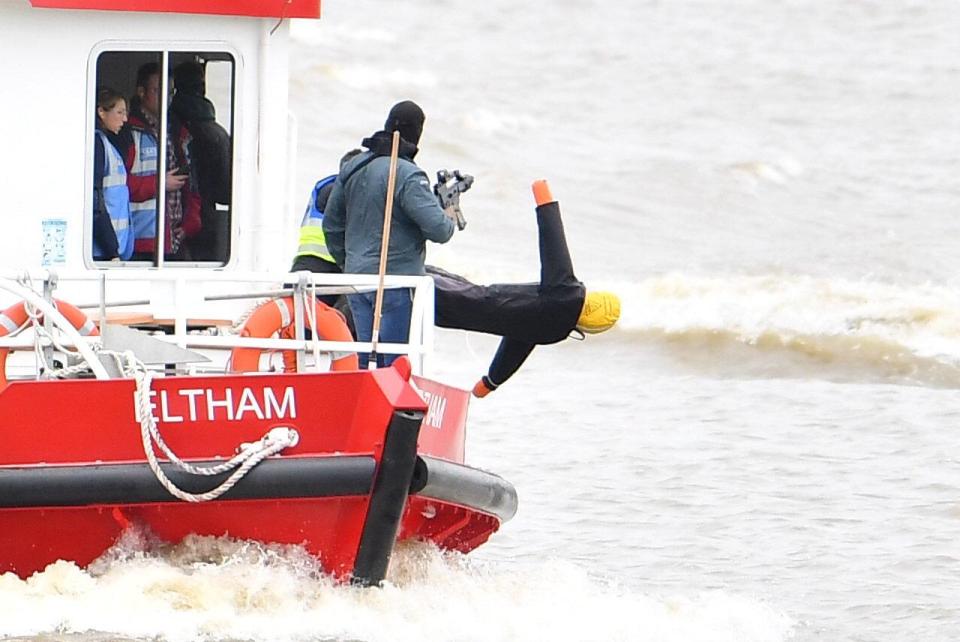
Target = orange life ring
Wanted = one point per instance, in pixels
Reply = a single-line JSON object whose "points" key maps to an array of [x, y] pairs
{"points": [[16, 315], [276, 317]]}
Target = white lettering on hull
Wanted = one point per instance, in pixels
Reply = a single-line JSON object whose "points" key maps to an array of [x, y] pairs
{"points": [[436, 406], [213, 404], [248, 403], [191, 404], [165, 411], [287, 410]]}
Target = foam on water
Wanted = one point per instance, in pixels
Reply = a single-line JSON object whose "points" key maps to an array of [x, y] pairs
{"points": [[884, 329], [223, 589]]}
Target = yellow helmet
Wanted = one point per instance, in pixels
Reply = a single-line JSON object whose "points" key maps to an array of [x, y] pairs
{"points": [[600, 311]]}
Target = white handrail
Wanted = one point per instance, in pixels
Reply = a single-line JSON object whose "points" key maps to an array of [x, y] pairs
{"points": [[213, 276], [188, 295]]}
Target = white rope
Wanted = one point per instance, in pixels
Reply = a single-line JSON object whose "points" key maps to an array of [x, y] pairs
{"points": [[310, 310], [249, 455], [83, 348], [35, 319]]}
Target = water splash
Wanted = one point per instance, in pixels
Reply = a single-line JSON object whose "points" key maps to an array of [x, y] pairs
{"points": [[222, 589]]}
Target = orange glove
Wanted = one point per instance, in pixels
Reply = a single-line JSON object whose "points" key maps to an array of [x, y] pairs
{"points": [[481, 390]]}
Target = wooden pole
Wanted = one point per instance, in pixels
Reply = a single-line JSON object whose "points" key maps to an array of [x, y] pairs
{"points": [[384, 246]]}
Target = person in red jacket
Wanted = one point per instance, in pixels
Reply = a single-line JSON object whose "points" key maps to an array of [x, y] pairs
{"points": [[182, 207]]}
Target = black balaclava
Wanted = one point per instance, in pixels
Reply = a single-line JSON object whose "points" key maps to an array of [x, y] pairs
{"points": [[189, 102], [188, 77], [407, 118]]}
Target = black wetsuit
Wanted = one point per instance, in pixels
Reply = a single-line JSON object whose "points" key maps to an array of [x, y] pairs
{"points": [[524, 314]]}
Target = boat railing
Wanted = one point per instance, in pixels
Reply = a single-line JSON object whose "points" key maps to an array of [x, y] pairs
{"points": [[204, 311]]}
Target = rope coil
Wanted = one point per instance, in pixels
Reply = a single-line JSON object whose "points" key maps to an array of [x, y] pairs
{"points": [[248, 455]]}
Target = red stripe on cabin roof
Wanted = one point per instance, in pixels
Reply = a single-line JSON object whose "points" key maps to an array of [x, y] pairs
{"points": [[253, 8]]}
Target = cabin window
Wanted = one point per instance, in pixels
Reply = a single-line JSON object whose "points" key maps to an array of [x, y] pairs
{"points": [[162, 159]]}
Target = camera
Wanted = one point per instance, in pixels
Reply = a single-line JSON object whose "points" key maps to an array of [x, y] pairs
{"points": [[448, 193]]}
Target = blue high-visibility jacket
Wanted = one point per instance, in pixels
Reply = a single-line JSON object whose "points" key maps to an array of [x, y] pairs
{"points": [[116, 200]]}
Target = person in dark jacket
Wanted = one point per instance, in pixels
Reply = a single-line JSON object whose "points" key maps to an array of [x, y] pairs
{"points": [[209, 150], [525, 314], [354, 218]]}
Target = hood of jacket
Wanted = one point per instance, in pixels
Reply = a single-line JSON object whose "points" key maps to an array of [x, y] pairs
{"points": [[380, 143], [191, 108]]}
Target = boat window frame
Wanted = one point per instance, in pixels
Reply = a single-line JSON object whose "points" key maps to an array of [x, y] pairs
{"points": [[164, 48]]}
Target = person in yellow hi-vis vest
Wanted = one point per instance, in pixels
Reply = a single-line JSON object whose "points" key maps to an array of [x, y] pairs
{"points": [[312, 253]]}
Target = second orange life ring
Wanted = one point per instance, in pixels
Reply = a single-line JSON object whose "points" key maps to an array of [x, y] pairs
{"points": [[16, 315], [276, 317]]}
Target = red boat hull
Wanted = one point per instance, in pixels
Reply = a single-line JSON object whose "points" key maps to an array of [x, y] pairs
{"points": [[366, 470]]}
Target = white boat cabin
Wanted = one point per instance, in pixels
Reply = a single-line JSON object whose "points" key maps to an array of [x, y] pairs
{"points": [[57, 55]]}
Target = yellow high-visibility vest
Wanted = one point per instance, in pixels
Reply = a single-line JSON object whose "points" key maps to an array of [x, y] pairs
{"points": [[312, 240]]}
